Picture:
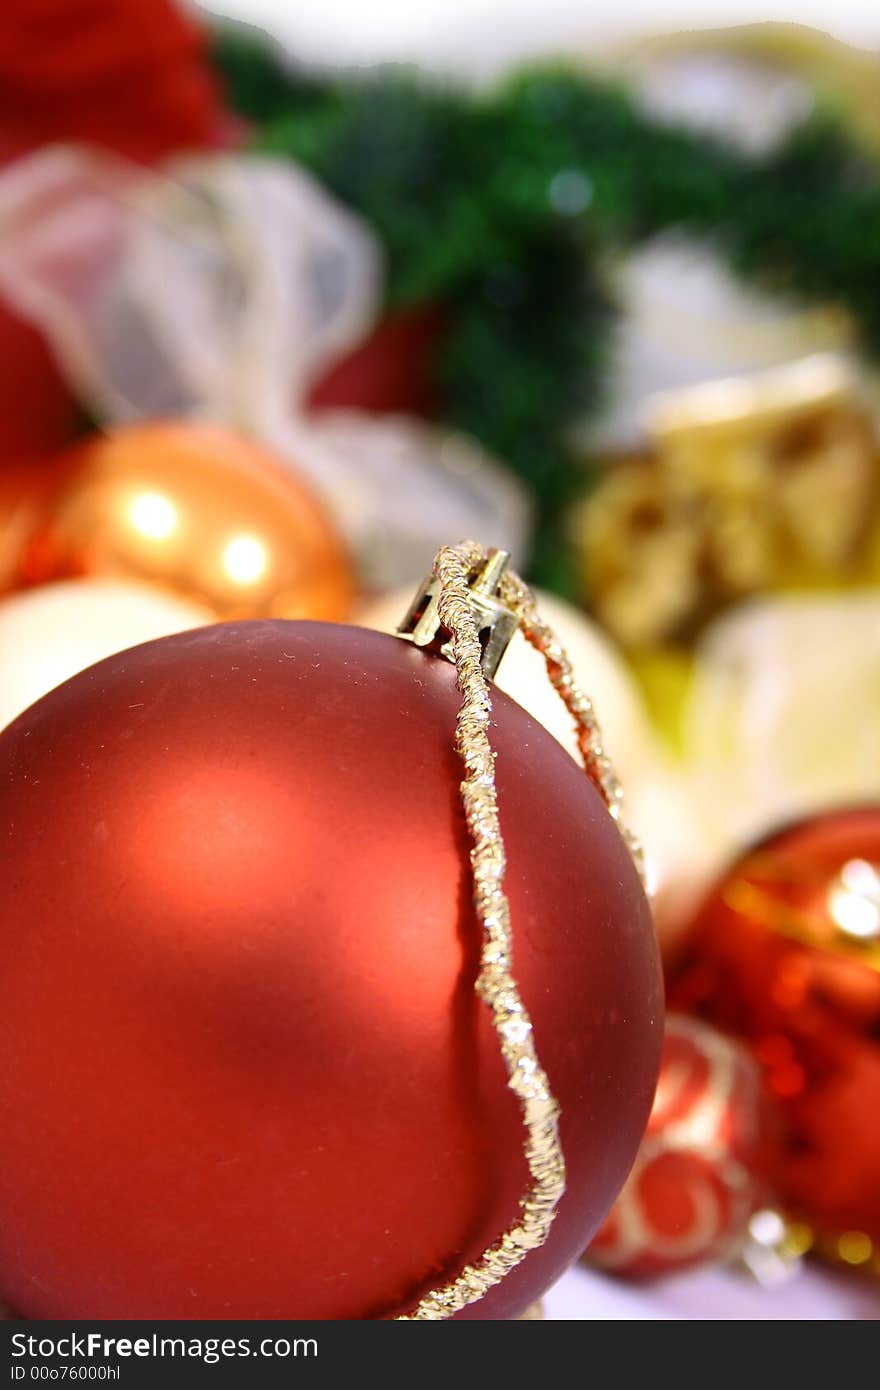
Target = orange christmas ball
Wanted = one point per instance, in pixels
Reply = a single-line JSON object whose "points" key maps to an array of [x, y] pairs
{"points": [[786, 954], [244, 1071], [197, 509]]}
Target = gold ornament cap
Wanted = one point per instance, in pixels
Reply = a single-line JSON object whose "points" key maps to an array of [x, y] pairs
{"points": [[495, 622]]}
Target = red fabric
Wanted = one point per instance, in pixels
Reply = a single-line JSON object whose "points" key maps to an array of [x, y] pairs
{"points": [[37, 413], [391, 371], [129, 75]]}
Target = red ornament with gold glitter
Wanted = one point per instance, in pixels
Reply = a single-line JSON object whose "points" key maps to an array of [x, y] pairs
{"points": [[309, 1008], [786, 953], [699, 1174]]}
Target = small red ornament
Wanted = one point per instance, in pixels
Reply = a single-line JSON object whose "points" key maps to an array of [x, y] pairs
{"points": [[786, 954], [243, 1069], [698, 1176]]}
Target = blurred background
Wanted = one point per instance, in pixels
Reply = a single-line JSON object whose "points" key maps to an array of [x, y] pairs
{"points": [[290, 296], [486, 36]]}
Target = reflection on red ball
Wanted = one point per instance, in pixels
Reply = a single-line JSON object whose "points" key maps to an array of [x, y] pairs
{"points": [[244, 1071], [786, 953], [698, 1176]]}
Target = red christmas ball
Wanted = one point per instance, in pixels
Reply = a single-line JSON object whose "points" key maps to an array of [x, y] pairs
{"points": [[244, 1069], [700, 1171], [786, 953]]}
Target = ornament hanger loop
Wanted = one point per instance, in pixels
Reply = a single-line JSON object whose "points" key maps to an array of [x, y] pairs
{"points": [[468, 609], [496, 624]]}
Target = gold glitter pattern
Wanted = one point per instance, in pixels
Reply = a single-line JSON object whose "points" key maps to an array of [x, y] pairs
{"points": [[597, 763], [496, 985]]}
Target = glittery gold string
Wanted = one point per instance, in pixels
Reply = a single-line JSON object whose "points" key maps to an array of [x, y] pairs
{"points": [[496, 984], [520, 599]]}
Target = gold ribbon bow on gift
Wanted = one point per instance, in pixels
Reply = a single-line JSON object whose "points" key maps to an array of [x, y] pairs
{"points": [[751, 484]]}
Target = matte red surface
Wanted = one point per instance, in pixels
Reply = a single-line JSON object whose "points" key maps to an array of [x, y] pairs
{"points": [[765, 961], [243, 1072]]}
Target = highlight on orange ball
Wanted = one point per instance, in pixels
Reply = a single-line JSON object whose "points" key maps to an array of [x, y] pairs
{"points": [[195, 508]]}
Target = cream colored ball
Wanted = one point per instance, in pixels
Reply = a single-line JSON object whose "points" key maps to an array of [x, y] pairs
{"points": [[783, 718], [49, 634]]}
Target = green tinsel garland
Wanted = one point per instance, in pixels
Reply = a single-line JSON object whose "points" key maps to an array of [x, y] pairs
{"points": [[501, 205]]}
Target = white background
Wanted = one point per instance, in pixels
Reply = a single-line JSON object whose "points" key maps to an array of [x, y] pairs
{"points": [[482, 35], [813, 1294]]}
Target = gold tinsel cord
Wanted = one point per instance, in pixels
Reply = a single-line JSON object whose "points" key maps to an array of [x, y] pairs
{"points": [[454, 568]]}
